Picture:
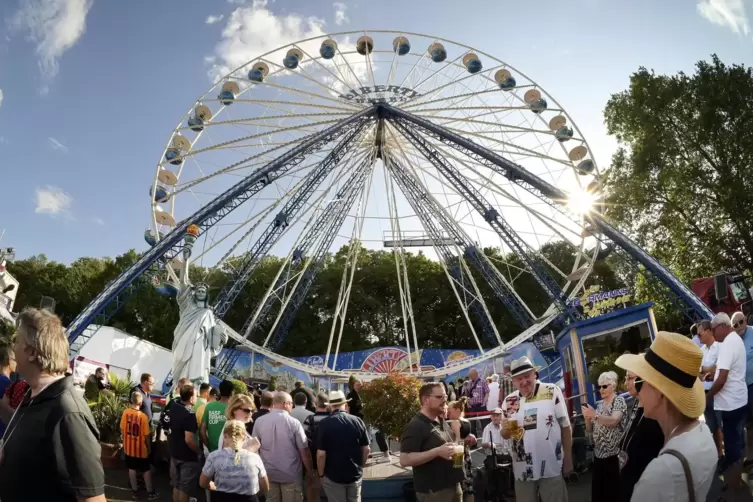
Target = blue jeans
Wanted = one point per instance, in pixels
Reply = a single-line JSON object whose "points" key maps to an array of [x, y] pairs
{"points": [[732, 431]]}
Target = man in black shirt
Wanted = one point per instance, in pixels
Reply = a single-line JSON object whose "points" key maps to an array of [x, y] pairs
{"points": [[184, 448], [427, 447], [354, 400], [342, 450], [51, 446], [266, 404], [300, 388]]}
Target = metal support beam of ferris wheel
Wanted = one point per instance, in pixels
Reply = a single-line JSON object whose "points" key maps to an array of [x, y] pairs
{"points": [[552, 195], [489, 213], [460, 278], [345, 198], [277, 228], [503, 290], [117, 292]]}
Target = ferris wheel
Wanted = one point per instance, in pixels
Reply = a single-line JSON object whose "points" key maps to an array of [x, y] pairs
{"points": [[385, 139]]}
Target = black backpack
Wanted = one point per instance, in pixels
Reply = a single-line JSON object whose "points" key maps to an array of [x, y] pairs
{"points": [[310, 427]]}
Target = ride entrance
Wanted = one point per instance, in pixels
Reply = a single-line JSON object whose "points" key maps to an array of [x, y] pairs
{"points": [[375, 139]]}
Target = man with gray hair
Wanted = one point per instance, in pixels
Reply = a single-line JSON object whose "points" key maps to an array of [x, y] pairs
{"points": [[50, 450], [284, 450], [740, 325], [730, 396]]}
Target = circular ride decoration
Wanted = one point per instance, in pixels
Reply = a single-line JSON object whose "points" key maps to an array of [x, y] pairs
{"points": [[387, 139]]}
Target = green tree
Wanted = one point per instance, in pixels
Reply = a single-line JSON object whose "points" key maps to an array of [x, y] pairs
{"points": [[680, 180]]}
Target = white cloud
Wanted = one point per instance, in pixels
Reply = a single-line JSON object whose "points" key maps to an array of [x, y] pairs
{"points": [[98, 221], [728, 13], [54, 26], [214, 19], [57, 145], [52, 200], [254, 30], [340, 16], [3, 140], [236, 2]]}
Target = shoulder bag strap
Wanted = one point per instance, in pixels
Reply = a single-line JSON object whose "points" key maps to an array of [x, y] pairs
{"points": [[686, 468]]}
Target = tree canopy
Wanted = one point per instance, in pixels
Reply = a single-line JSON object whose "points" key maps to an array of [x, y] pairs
{"points": [[680, 181], [374, 315]]}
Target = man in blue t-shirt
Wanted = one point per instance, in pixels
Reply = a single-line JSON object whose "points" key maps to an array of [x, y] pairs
{"points": [[740, 325], [7, 366]]}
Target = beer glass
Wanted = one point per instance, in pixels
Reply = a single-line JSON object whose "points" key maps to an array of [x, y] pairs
{"points": [[457, 456], [516, 431]]}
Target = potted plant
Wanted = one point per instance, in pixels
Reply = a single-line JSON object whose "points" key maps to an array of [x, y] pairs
{"points": [[107, 411], [389, 403]]}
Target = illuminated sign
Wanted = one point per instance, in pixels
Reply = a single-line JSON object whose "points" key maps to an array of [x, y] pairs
{"points": [[595, 302], [380, 94]]}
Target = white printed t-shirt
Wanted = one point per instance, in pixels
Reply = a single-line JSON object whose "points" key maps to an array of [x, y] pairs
{"points": [[731, 357], [664, 479], [538, 454]]}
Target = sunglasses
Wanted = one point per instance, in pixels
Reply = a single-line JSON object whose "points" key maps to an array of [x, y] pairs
{"points": [[638, 384], [604, 387], [738, 325], [247, 410]]}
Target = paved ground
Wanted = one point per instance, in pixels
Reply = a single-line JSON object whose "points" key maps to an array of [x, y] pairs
{"points": [[118, 488]]}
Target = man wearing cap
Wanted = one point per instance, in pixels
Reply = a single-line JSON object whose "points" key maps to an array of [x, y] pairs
{"points": [[730, 396], [427, 446], [672, 394], [538, 425], [342, 450]]}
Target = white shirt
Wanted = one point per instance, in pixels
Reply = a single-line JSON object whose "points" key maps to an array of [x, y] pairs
{"points": [[300, 413], [664, 479], [492, 402], [710, 355], [538, 454], [731, 357], [493, 434]]}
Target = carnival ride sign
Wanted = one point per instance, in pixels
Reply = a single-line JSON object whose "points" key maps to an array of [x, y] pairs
{"points": [[379, 94], [595, 302]]}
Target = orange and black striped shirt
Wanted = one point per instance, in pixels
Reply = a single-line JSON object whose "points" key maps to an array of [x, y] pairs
{"points": [[135, 428]]}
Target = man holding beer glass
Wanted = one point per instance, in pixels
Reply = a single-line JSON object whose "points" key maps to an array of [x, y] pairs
{"points": [[427, 446], [538, 425]]}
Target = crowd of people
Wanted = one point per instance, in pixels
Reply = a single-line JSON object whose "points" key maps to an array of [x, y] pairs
{"points": [[681, 427]]}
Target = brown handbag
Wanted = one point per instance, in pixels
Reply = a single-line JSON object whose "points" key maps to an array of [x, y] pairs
{"points": [[686, 468]]}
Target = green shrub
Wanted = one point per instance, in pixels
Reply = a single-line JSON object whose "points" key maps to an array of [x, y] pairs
{"points": [[389, 403], [272, 384], [239, 387]]}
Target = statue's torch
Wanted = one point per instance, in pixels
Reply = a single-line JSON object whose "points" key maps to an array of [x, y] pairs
{"points": [[192, 233]]}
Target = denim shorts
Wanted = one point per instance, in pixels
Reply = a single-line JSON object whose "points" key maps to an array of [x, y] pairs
{"points": [[732, 431]]}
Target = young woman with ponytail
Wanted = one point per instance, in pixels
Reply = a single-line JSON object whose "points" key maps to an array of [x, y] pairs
{"points": [[233, 473]]}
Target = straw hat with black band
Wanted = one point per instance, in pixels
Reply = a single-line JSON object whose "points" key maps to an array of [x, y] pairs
{"points": [[671, 365]]}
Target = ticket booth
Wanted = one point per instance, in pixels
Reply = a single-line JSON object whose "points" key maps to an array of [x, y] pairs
{"points": [[587, 346]]}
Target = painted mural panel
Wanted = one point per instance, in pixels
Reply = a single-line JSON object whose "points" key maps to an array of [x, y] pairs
{"points": [[380, 360]]}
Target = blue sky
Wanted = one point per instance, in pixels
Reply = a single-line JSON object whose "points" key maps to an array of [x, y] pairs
{"points": [[90, 90]]}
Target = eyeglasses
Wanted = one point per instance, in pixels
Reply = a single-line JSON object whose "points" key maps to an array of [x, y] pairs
{"points": [[738, 324], [247, 410], [638, 384]]}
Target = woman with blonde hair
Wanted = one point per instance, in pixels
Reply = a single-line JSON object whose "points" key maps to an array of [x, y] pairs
{"points": [[461, 429], [672, 394], [232, 473], [240, 408]]}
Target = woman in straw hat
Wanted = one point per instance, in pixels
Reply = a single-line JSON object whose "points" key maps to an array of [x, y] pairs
{"points": [[672, 394]]}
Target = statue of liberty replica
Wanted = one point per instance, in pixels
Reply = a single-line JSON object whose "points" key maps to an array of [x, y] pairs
{"points": [[198, 337]]}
